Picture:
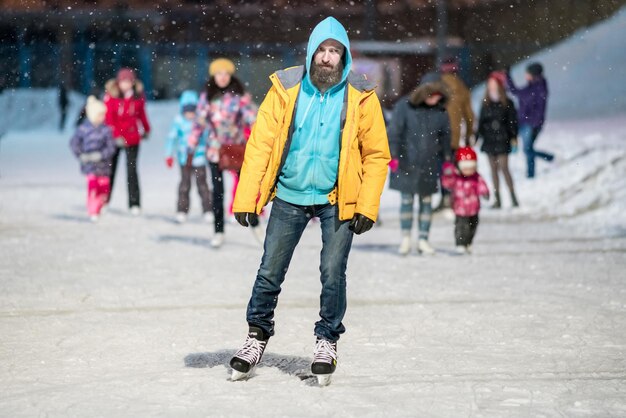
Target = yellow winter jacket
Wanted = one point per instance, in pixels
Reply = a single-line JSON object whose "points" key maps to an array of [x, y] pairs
{"points": [[363, 158]]}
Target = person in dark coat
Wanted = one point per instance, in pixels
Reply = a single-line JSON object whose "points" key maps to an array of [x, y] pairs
{"points": [[419, 140], [533, 101], [64, 102], [497, 127], [93, 145]]}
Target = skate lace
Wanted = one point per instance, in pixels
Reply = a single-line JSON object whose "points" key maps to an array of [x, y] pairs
{"points": [[325, 351], [251, 351]]}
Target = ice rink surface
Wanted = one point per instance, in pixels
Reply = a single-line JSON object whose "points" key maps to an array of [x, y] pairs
{"points": [[139, 316]]}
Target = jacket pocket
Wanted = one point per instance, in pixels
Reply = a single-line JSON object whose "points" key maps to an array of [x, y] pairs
{"points": [[354, 176]]}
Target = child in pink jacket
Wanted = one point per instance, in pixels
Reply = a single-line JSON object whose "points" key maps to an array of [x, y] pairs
{"points": [[467, 187]]}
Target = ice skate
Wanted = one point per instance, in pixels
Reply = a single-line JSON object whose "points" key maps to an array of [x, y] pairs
{"points": [[424, 247], [405, 246], [448, 214], [496, 204], [208, 217], [94, 218], [218, 240], [461, 249], [135, 211], [181, 217], [247, 358], [324, 361]]}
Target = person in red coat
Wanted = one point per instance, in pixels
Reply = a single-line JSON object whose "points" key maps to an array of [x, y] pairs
{"points": [[126, 115]]}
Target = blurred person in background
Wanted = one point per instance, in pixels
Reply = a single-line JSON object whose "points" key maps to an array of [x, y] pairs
{"points": [[459, 107], [64, 102], [192, 160], [532, 100], [226, 113], [497, 128], [93, 145], [419, 139], [467, 187], [126, 115]]}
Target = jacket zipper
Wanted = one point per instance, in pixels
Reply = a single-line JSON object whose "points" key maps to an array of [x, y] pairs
{"points": [[316, 144]]}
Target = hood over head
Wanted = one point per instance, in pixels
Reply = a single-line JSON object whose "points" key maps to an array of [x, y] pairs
{"points": [[329, 28], [112, 89], [188, 98], [431, 83]]}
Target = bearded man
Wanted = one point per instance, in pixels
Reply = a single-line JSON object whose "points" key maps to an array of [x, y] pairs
{"points": [[318, 149]]}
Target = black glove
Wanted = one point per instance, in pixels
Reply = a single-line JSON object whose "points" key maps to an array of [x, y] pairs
{"points": [[252, 219], [360, 224]]}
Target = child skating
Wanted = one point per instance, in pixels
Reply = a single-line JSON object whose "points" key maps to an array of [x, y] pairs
{"points": [[192, 159], [94, 147], [467, 187]]}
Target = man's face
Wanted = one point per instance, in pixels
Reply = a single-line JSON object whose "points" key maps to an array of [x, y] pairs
{"points": [[327, 68], [328, 55]]}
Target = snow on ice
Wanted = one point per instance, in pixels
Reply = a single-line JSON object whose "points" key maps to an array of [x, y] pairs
{"points": [[138, 317]]}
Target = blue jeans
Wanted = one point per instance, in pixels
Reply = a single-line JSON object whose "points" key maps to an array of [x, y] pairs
{"points": [[286, 225], [529, 136], [424, 214]]}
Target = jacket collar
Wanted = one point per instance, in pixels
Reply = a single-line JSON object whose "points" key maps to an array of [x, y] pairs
{"points": [[292, 77]]}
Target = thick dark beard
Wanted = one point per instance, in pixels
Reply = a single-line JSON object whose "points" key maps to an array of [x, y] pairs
{"points": [[323, 79]]}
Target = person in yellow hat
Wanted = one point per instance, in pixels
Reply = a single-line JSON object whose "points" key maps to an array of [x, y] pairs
{"points": [[226, 112]]}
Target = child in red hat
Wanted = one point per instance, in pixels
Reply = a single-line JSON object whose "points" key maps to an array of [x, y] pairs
{"points": [[467, 187]]}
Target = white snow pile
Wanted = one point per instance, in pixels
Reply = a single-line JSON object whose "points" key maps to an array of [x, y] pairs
{"points": [[584, 187], [36, 108], [586, 72], [585, 128]]}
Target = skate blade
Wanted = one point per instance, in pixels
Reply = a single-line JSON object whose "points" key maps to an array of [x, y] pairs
{"points": [[323, 379], [235, 376]]}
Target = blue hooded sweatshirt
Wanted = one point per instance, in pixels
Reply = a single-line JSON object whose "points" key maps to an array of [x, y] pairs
{"points": [[179, 134], [310, 170]]}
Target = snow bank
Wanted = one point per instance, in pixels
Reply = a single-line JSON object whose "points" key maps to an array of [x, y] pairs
{"points": [[586, 72], [585, 128], [585, 187], [25, 109]]}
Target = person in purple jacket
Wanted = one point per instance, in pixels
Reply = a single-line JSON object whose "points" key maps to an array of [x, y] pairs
{"points": [[532, 100], [94, 147]]}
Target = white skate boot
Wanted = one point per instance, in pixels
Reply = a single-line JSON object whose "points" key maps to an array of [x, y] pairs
{"points": [[423, 247], [218, 240], [405, 246]]}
